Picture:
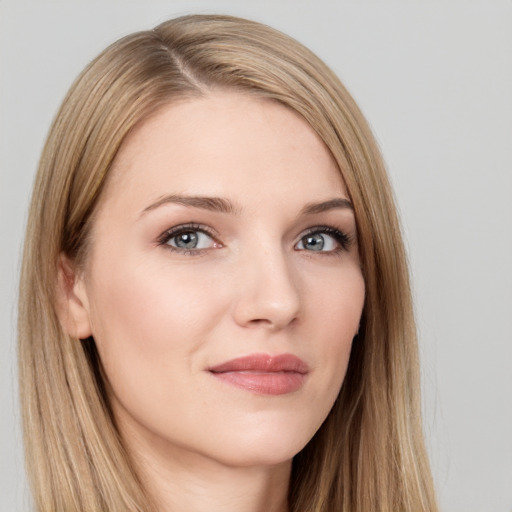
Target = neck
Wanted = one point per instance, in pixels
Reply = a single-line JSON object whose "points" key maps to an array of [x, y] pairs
{"points": [[179, 480], [221, 489]]}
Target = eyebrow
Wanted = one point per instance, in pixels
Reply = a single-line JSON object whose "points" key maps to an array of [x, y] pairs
{"points": [[331, 204], [222, 205], [213, 204]]}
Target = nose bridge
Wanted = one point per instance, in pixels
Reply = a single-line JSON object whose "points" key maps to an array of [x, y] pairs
{"points": [[268, 292]]}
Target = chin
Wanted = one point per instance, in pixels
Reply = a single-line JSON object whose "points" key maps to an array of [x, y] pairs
{"points": [[258, 456], [263, 447]]}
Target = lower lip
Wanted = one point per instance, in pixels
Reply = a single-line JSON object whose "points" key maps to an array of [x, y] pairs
{"points": [[271, 383]]}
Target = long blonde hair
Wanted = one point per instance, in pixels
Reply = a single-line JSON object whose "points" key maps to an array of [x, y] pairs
{"points": [[369, 453]]}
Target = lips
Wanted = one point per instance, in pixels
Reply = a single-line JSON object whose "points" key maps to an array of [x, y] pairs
{"points": [[263, 374]]}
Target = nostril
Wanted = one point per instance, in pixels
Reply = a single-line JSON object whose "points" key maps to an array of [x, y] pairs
{"points": [[260, 321], [272, 323]]}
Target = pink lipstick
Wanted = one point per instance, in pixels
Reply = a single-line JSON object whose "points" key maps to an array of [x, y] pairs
{"points": [[263, 374]]}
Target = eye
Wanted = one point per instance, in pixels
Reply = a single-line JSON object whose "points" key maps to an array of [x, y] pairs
{"points": [[188, 239], [323, 239]]}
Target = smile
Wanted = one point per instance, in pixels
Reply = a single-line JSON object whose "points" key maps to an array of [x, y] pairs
{"points": [[263, 374]]}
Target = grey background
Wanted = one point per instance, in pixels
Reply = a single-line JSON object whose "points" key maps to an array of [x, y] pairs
{"points": [[435, 80]]}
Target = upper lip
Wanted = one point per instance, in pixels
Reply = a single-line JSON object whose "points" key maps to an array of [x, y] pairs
{"points": [[263, 363]]}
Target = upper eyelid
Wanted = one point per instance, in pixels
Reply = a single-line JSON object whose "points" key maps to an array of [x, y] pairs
{"points": [[344, 238], [176, 230], [320, 228], [190, 226], [325, 229]]}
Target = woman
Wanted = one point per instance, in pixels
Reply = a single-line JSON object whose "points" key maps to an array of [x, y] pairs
{"points": [[215, 310]]}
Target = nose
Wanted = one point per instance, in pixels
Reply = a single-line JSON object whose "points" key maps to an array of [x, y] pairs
{"points": [[267, 291]]}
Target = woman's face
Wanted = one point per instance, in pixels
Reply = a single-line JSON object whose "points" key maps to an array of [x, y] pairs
{"points": [[223, 286]]}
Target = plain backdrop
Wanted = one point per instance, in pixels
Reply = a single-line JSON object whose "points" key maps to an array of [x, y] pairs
{"points": [[435, 81]]}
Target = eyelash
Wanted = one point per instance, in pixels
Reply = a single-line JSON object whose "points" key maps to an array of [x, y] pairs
{"points": [[168, 235], [344, 240]]}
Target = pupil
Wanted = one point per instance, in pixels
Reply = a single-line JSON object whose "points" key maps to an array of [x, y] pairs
{"points": [[187, 240], [314, 242]]}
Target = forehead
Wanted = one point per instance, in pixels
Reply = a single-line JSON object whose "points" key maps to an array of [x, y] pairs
{"points": [[225, 143]]}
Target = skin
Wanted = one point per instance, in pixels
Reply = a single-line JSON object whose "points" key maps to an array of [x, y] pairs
{"points": [[162, 316]]}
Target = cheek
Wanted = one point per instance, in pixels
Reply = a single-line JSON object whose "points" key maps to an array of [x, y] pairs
{"points": [[147, 298], [337, 308], [340, 311], [147, 322]]}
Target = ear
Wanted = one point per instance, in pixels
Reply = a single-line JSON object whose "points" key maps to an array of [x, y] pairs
{"points": [[71, 300]]}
